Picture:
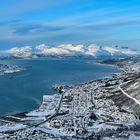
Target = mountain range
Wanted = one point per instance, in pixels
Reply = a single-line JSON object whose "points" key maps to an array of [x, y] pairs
{"points": [[68, 50]]}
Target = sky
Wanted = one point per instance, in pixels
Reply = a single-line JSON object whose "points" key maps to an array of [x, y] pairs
{"points": [[103, 22]]}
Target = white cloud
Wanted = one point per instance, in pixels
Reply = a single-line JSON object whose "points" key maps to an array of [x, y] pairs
{"points": [[22, 52]]}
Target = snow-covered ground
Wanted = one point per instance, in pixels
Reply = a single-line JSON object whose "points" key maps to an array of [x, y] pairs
{"points": [[5, 69], [98, 110]]}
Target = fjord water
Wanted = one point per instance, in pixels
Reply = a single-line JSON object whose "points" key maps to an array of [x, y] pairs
{"points": [[23, 91]]}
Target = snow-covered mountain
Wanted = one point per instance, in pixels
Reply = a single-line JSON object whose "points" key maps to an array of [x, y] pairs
{"points": [[64, 50], [97, 51]]}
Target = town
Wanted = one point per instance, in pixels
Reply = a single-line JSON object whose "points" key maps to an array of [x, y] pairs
{"points": [[105, 109]]}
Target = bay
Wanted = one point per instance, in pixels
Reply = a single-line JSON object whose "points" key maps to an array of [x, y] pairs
{"points": [[24, 91]]}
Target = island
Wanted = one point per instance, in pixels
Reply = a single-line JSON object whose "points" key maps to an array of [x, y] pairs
{"points": [[5, 69]]}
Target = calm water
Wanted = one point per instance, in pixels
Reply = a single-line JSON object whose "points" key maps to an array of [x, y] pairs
{"points": [[24, 91]]}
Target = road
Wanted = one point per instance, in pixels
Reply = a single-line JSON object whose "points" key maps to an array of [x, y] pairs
{"points": [[134, 99]]}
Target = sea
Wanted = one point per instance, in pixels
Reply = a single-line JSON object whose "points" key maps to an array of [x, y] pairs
{"points": [[23, 91]]}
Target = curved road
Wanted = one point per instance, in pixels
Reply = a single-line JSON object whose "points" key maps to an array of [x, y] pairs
{"points": [[134, 99]]}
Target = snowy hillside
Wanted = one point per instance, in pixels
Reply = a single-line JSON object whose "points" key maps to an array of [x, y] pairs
{"points": [[62, 50]]}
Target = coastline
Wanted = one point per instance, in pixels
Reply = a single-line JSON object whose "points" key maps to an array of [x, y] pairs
{"points": [[44, 86], [9, 69], [101, 98], [57, 88]]}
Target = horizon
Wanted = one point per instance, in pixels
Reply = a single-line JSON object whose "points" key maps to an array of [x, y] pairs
{"points": [[106, 23]]}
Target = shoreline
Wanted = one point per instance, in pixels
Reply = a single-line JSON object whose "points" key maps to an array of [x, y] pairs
{"points": [[70, 85], [20, 114], [94, 109]]}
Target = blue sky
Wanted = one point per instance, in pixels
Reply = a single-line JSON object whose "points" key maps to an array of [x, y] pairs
{"points": [[104, 22]]}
